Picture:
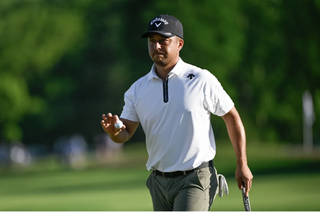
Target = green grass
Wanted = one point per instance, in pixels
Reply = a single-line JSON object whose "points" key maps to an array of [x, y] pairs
{"points": [[98, 189], [275, 193], [284, 179]]}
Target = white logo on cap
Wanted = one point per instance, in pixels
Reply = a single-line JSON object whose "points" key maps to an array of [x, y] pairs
{"points": [[157, 25], [159, 19]]}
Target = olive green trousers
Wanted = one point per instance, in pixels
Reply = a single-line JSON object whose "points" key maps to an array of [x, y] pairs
{"points": [[192, 192]]}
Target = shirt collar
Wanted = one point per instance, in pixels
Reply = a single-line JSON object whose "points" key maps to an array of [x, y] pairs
{"points": [[175, 71]]}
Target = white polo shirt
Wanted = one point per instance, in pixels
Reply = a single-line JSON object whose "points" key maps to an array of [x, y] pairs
{"points": [[175, 115]]}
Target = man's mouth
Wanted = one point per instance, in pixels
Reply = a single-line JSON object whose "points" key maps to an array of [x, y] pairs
{"points": [[158, 54]]}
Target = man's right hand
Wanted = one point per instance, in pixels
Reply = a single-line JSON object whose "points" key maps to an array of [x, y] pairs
{"points": [[108, 124], [118, 135]]}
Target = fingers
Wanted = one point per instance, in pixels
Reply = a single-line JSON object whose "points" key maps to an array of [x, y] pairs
{"points": [[116, 118], [108, 122], [244, 178], [247, 186], [105, 123], [107, 118], [239, 181]]}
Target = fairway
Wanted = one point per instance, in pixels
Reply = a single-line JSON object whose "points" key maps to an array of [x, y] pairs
{"points": [[121, 187], [275, 193], [98, 189]]}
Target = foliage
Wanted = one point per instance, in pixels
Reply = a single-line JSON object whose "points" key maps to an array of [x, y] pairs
{"points": [[64, 63], [279, 64], [34, 36]]}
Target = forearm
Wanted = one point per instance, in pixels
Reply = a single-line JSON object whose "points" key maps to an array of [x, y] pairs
{"points": [[121, 137], [238, 139], [237, 136]]}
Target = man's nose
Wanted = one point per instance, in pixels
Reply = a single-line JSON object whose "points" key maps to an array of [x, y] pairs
{"points": [[157, 45]]}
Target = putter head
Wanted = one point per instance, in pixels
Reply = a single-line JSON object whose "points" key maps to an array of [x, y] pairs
{"points": [[223, 185]]}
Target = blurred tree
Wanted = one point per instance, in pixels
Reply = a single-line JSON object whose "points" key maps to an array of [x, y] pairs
{"points": [[34, 35], [278, 65], [89, 79]]}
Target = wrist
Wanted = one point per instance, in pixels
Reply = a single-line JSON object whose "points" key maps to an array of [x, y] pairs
{"points": [[242, 162]]}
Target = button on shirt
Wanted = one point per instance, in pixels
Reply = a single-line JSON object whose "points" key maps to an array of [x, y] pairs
{"points": [[175, 115]]}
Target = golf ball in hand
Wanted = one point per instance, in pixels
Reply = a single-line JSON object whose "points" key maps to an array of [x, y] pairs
{"points": [[118, 125]]}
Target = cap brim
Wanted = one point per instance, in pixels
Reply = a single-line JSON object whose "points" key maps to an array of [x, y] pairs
{"points": [[164, 33]]}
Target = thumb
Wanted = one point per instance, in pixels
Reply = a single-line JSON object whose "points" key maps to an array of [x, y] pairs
{"points": [[116, 118], [118, 123]]}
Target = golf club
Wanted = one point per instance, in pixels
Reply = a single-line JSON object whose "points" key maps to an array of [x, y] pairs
{"points": [[246, 201]]}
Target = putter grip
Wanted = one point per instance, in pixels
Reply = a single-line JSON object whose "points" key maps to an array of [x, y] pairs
{"points": [[246, 202]]}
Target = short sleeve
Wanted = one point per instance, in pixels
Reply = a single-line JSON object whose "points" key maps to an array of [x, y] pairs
{"points": [[216, 100], [129, 111]]}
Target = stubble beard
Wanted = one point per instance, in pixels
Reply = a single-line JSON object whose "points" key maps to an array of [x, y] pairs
{"points": [[160, 61]]}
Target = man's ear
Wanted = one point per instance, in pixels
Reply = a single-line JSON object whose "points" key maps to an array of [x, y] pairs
{"points": [[180, 43]]}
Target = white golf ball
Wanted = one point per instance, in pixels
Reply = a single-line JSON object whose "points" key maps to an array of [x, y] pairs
{"points": [[118, 125]]}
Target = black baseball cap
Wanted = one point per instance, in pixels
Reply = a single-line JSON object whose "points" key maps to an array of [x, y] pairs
{"points": [[165, 25]]}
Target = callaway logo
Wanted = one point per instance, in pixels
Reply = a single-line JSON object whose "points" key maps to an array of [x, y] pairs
{"points": [[161, 20], [190, 76]]}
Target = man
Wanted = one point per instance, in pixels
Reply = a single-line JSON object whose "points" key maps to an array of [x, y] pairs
{"points": [[173, 103]]}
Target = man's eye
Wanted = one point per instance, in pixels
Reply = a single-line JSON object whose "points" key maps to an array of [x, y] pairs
{"points": [[164, 41]]}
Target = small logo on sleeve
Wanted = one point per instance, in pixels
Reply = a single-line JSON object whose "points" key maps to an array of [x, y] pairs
{"points": [[190, 76]]}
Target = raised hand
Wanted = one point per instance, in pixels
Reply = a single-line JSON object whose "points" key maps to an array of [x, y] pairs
{"points": [[108, 122]]}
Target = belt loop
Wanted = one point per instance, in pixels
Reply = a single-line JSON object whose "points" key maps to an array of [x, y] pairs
{"points": [[163, 174]]}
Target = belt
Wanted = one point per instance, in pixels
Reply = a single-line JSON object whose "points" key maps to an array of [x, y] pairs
{"points": [[180, 173]]}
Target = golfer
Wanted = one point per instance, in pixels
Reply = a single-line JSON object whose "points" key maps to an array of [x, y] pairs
{"points": [[173, 103]]}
